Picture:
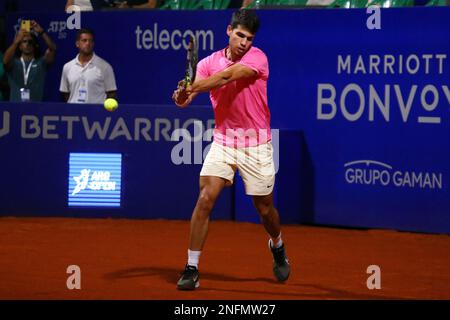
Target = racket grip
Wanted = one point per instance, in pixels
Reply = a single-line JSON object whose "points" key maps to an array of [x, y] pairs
{"points": [[187, 81]]}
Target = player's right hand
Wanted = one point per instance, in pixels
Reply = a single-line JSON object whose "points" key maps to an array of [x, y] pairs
{"points": [[180, 95]]}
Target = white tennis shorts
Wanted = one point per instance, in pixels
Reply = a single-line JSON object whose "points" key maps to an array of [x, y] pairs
{"points": [[255, 165]]}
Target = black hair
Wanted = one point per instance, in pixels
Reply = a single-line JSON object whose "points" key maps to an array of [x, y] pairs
{"points": [[36, 47], [245, 18], [85, 31]]}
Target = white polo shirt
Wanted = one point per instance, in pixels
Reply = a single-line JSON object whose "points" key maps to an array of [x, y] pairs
{"points": [[87, 84]]}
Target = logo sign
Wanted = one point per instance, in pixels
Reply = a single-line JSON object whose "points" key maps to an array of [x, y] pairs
{"points": [[376, 173], [95, 179]]}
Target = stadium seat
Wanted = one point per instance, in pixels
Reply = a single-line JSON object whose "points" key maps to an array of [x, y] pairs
{"points": [[393, 3], [255, 4], [223, 4], [195, 4], [292, 2], [179, 4], [274, 3], [437, 3], [214, 4], [380, 3], [348, 4]]}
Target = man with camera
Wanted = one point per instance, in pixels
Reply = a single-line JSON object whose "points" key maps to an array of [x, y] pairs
{"points": [[25, 67]]}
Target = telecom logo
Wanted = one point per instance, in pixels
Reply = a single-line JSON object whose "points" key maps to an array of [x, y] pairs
{"points": [[159, 38], [375, 173]]}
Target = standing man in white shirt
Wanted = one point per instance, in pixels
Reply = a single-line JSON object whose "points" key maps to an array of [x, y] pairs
{"points": [[87, 78]]}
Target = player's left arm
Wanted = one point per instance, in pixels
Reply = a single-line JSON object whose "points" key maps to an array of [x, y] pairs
{"points": [[232, 73]]}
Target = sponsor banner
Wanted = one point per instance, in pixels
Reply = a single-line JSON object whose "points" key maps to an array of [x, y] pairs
{"points": [[64, 160], [95, 179], [332, 72], [138, 162]]}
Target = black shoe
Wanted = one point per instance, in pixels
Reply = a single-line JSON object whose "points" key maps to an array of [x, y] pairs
{"points": [[281, 267], [189, 279]]}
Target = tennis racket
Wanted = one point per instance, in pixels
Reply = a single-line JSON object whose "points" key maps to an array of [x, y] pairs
{"points": [[191, 62]]}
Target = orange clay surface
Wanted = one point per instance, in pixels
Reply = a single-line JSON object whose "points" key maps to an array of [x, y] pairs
{"points": [[142, 259]]}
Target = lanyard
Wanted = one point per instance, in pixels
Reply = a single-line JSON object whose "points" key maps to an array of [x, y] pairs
{"points": [[83, 80], [26, 71]]}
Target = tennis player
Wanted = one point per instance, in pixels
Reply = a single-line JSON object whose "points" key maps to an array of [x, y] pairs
{"points": [[236, 78]]}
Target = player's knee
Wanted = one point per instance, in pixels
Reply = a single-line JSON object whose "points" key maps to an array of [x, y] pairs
{"points": [[264, 209], [205, 202]]}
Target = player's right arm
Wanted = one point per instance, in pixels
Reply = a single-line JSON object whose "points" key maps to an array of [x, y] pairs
{"points": [[183, 95]]}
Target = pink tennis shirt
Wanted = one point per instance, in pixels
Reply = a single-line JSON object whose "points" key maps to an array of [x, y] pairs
{"points": [[240, 107]]}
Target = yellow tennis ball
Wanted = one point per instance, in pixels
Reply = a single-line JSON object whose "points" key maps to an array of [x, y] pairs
{"points": [[111, 104]]}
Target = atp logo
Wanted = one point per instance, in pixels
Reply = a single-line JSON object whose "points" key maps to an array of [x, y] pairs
{"points": [[4, 129], [73, 22]]}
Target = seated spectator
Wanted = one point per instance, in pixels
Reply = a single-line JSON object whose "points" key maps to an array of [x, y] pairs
{"points": [[85, 5], [138, 4], [87, 78], [25, 67], [314, 3], [319, 3], [91, 5]]}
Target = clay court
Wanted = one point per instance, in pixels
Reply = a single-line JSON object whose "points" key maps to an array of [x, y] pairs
{"points": [[142, 259]]}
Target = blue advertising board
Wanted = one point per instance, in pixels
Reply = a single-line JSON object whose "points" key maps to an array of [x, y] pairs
{"points": [[48, 151], [371, 105], [137, 162], [95, 179]]}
